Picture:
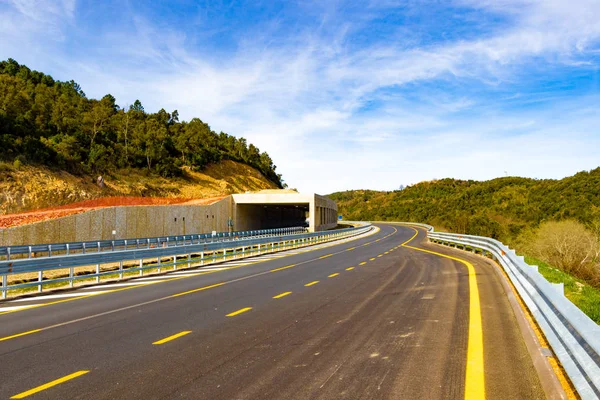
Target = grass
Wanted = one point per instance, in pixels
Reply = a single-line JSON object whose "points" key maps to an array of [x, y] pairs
{"points": [[584, 296]]}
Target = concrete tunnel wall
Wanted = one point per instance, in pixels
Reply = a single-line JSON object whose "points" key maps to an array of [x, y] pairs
{"points": [[150, 221], [127, 221]]}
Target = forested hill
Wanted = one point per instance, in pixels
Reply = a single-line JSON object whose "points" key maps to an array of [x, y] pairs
{"points": [[53, 123], [499, 208]]}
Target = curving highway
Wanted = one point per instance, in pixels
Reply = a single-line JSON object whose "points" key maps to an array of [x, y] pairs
{"points": [[385, 316]]}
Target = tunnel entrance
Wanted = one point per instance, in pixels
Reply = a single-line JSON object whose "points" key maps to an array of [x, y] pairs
{"points": [[274, 215], [270, 209]]}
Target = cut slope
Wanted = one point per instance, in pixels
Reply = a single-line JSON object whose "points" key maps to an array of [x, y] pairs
{"points": [[34, 188]]}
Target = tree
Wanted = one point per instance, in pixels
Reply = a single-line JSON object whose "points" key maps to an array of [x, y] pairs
{"points": [[54, 123], [97, 117]]}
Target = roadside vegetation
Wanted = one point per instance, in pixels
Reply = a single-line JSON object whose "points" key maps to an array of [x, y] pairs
{"points": [[580, 293], [555, 223], [54, 124]]}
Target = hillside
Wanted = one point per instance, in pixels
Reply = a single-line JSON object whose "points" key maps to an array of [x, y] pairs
{"points": [[498, 208], [44, 122], [31, 187]]}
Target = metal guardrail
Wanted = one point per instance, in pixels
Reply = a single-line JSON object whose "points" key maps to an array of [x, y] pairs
{"points": [[144, 258], [49, 250], [574, 337]]}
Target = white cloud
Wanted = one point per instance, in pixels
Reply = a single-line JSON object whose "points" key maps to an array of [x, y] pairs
{"points": [[304, 101]]}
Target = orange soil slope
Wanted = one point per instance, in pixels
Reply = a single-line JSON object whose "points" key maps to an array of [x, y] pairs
{"points": [[11, 220]]}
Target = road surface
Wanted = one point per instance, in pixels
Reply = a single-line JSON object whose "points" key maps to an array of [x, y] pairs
{"points": [[372, 318]]}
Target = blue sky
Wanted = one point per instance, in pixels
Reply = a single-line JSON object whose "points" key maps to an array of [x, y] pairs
{"points": [[344, 94]]}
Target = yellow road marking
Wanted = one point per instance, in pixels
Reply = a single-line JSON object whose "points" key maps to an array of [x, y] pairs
{"points": [[19, 334], [474, 376], [372, 259], [349, 268], [380, 255], [282, 295], [350, 249], [282, 268], [155, 300], [387, 252], [49, 385], [328, 255], [172, 337], [333, 275], [363, 263], [311, 283], [198, 290], [243, 310], [83, 296]]}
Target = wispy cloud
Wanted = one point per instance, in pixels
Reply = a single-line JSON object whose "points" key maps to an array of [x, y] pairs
{"points": [[344, 97]]}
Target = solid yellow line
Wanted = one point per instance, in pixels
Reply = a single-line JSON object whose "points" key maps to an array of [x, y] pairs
{"points": [[409, 240], [20, 334], [328, 255], [349, 268], [363, 263], [282, 268], [474, 376], [172, 337], [49, 385], [198, 290], [243, 310], [282, 295], [311, 283], [333, 275]]}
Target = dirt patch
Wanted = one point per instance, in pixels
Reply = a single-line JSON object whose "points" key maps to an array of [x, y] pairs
{"points": [[11, 220]]}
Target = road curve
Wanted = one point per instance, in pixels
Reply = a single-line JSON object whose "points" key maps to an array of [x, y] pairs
{"points": [[365, 319]]}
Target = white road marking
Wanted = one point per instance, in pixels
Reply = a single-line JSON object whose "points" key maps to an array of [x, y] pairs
{"points": [[120, 285], [3, 309], [54, 296]]}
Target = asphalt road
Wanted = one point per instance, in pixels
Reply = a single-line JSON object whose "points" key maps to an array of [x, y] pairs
{"points": [[366, 319]]}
